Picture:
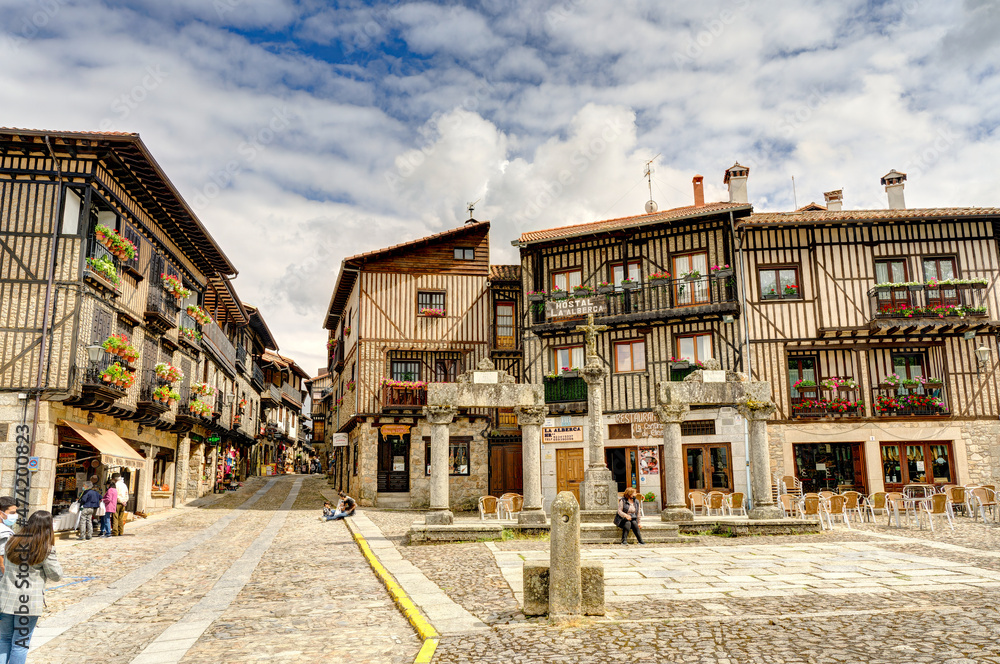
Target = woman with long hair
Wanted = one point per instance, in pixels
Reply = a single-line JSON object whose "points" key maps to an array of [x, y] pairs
{"points": [[629, 514], [29, 562]]}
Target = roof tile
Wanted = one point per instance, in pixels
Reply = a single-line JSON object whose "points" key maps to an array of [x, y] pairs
{"points": [[821, 216]]}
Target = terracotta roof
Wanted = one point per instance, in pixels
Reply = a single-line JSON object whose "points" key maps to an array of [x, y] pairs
{"points": [[423, 240], [283, 362], [505, 273], [826, 216], [608, 225]]}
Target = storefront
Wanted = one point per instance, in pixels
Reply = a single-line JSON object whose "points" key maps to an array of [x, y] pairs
{"points": [[830, 467]]}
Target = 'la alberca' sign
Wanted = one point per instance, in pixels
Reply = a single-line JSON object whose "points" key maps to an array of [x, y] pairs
{"points": [[575, 307]]}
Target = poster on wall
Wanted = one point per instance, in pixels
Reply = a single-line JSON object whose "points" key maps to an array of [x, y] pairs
{"points": [[562, 434], [649, 463]]}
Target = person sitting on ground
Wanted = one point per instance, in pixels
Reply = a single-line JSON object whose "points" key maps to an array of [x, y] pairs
{"points": [[345, 508], [629, 515], [328, 511]]}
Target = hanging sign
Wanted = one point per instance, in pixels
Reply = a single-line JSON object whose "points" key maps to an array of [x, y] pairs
{"points": [[213, 440], [338, 440], [562, 434], [576, 307], [395, 429]]}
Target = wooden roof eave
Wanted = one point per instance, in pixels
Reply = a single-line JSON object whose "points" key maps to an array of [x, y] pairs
{"points": [[797, 223]]}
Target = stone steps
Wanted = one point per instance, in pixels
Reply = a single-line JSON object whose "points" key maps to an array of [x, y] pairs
{"points": [[652, 532], [390, 501]]}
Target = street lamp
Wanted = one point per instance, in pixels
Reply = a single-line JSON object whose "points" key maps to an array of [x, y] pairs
{"points": [[94, 352], [983, 355]]}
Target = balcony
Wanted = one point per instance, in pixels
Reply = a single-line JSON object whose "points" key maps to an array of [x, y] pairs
{"points": [[270, 396], [257, 377], [185, 420], [189, 333], [927, 400], [215, 341], [921, 309], [96, 393], [706, 298], [292, 394], [149, 409], [241, 358], [161, 309], [401, 397], [565, 390]]}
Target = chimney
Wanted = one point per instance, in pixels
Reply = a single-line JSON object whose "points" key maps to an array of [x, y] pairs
{"points": [[736, 178], [699, 191], [893, 181], [834, 200]]}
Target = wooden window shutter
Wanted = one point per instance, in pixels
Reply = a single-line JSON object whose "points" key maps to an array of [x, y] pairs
{"points": [[102, 325]]}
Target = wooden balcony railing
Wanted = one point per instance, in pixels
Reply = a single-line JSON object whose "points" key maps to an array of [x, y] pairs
{"points": [[257, 377], [562, 390], [292, 392], [394, 396], [224, 348]]}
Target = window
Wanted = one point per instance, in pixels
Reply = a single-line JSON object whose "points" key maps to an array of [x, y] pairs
{"points": [[892, 271], [695, 347], [405, 370], [779, 282], [458, 455], [687, 293], [567, 279], [708, 467], [505, 325], [465, 254], [567, 358], [922, 463], [71, 212], [446, 371], [940, 269], [619, 431], [698, 428], [618, 272], [429, 300], [630, 356], [801, 368], [909, 365]]}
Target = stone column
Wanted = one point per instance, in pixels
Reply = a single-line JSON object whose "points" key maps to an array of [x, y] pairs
{"points": [[439, 417], [530, 419], [144, 485], [565, 581], [675, 502], [181, 469], [757, 414], [598, 491]]}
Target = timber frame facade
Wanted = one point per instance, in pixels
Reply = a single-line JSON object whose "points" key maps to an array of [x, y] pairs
{"points": [[65, 199], [918, 404], [398, 318]]}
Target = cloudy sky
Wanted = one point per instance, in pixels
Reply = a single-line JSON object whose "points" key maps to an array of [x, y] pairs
{"points": [[303, 132]]}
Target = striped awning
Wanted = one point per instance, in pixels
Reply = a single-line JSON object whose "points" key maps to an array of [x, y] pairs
{"points": [[114, 451]]}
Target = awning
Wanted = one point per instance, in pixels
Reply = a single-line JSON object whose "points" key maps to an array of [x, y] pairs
{"points": [[114, 451]]}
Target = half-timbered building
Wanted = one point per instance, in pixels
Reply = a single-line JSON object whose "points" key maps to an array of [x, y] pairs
{"points": [[663, 285], [877, 330], [98, 364], [401, 317], [282, 402]]}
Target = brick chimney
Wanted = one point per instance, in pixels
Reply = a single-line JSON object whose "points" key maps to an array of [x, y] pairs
{"points": [[893, 181], [834, 200], [736, 178], [699, 191]]}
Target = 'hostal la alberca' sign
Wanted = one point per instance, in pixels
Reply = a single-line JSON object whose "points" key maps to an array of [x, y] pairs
{"points": [[575, 307]]}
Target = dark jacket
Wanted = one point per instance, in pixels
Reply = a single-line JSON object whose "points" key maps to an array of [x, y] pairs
{"points": [[90, 498]]}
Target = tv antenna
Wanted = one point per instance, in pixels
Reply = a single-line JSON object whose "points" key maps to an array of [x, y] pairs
{"points": [[472, 206], [651, 206]]}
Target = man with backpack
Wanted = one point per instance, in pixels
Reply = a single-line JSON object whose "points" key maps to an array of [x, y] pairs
{"points": [[89, 502]]}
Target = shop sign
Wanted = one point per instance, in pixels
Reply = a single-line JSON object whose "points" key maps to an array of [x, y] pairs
{"points": [[562, 435], [338, 440], [395, 429], [398, 464], [576, 307], [647, 430], [213, 440]]}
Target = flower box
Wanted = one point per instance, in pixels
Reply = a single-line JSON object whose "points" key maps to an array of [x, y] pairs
{"points": [[882, 289], [571, 373], [770, 296], [933, 384], [680, 364], [432, 312], [559, 295], [630, 285], [605, 290], [692, 276], [582, 291], [915, 287], [536, 297], [724, 272], [888, 386]]}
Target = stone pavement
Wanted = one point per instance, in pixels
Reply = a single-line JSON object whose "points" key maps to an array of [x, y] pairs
{"points": [[221, 584]]}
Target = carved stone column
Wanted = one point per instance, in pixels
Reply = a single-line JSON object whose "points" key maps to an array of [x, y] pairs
{"points": [[757, 414], [439, 417], [598, 491], [181, 469], [675, 503], [530, 419]]}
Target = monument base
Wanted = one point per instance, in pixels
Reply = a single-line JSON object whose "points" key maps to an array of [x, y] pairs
{"points": [[598, 490], [439, 518], [765, 512], [676, 514], [536, 588], [529, 517]]}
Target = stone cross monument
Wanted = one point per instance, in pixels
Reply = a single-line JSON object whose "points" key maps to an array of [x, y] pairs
{"points": [[598, 491]]}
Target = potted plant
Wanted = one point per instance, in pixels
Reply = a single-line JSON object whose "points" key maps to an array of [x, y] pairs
{"points": [[605, 287], [168, 373], [105, 269], [843, 406], [629, 284], [679, 363], [203, 389], [693, 275], [770, 294], [978, 283], [173, 285], [805, 386], [347, 331], [432, 312], [931, 382], [722, 271], [536, 296], [350, 386], [161, 394], [201, 316], [811, 407], [791, 290], [913, 285], [910, 383], [559, 294], [582, 291], [189, 333], [659, 276], [568, 372], [890, 382]]}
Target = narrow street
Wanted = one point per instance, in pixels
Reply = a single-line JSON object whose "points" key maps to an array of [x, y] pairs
{"points": [[253, 576]]}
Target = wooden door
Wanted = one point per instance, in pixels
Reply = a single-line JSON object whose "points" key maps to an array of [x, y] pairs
{"points": [[624, 465], [708, 468], [569, 471], [393, 463], [687, 293], [506, 469]]}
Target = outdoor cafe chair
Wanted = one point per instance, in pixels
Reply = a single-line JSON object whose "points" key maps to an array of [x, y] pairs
{"points": [[894, 503], [736, 502], [697, 500], [984, 500], [809, 508], [836, 506], [938, 506], [957, 496], [715, 502], [507, 505], [787, 503], [877, 503], [826, 494], [488, 507], [918, 490], [855, 503]]}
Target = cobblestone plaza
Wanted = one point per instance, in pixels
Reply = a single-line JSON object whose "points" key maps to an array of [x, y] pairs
{"points": [[255, 576]]}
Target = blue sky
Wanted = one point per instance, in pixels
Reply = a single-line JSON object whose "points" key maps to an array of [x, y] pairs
{"points": [[303, 132]]}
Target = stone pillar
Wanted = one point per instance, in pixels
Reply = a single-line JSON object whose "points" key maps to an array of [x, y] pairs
{"points": [[144, 484], [439, 417], [757, 414], [181, 469], [598, 491], [530, 419], [565, 583], [675, 502]]}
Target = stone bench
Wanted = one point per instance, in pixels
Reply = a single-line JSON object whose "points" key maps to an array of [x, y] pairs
{"points": [[536, 588]]}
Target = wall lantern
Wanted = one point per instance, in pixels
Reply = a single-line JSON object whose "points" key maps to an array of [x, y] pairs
{"points": [[983, 355], [94, 352]]}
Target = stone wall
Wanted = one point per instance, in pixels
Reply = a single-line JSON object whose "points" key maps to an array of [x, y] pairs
{"points": [[463, 490]]}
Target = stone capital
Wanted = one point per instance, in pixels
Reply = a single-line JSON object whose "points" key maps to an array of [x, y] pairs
{"points": [[440, 414], [756, 410], [594, 373], [671, 413], [531, 415]]}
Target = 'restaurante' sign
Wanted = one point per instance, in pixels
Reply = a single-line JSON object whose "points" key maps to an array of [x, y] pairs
{"points": [[576, 307]]}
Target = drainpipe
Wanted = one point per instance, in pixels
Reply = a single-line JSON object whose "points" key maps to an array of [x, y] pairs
{"points": [[745, 345]]}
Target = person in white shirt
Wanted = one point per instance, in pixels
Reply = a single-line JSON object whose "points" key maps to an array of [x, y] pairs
{"points": [[118, 520], [8, 519]]}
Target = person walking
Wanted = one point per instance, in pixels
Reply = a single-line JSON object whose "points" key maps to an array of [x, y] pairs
{"points": [[629, 515], [118, 522], [110, 501], [8, 519], [29, 562], [89, 501]]}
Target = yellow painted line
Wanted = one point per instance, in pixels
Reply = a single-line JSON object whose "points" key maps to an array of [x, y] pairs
{"points": [[406, 606]]}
